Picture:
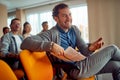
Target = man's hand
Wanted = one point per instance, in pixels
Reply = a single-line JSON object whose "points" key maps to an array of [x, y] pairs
{"points": [[96, 45], [58, 50]]}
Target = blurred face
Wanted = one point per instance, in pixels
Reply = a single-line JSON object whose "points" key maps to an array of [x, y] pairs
{"points": [[45, 27], [6, 31], [15, 26], [28, 28], [64, 18]]}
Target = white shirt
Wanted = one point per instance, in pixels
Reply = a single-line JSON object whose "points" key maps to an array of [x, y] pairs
{"points": [[18, 42]]}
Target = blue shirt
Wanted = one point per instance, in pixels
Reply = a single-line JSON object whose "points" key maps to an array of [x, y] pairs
{"points": [[67, 38]]}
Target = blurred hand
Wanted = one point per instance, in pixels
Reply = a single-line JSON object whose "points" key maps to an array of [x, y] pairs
{"points": [[58, 50], [96, 45]]}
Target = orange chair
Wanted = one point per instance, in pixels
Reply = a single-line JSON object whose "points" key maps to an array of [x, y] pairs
{"points": [[36, 65], [6, 72]]}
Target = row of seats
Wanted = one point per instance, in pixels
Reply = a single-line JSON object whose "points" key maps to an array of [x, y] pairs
{"points": [[36, 66]]}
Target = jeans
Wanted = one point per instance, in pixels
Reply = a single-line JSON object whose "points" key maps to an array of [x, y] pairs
{"points": [[106, 60]]}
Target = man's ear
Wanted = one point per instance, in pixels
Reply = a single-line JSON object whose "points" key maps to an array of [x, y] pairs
{"points": [[55, 18]]}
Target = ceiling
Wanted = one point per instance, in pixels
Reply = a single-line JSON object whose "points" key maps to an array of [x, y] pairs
{"points": [[23, 4]]}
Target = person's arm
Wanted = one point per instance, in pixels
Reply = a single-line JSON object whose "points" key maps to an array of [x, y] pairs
{"points": [[40, 42], [81, 44]]}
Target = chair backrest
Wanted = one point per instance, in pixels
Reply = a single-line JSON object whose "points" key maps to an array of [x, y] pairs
{"points": [[6, 72], [36, 65]]}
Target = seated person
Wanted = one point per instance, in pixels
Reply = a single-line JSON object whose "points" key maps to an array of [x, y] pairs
{"points": [[10, 45], [5, 30], [26, 30], [44, 26], [64, 34]]}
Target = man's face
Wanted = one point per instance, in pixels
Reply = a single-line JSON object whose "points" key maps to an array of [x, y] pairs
{"points": [[45, 26], [64, 18], [15, 26]]}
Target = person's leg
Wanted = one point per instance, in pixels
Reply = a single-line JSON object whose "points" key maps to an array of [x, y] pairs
{"points": [[112, 67], [94, 63]]}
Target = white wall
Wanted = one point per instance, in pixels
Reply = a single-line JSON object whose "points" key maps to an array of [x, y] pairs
{"points": [[104, 20]]}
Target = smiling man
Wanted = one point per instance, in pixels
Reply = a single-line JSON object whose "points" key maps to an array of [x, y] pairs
{"points": [[10, 44], [63, 35]]}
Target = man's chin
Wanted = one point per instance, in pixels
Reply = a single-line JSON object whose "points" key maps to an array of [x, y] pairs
{"points": [[69, 26]]}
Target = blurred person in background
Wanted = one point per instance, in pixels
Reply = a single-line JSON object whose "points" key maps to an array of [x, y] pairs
{"points": [[26, 30], [5, 30], [10, 46], [44, 26]]}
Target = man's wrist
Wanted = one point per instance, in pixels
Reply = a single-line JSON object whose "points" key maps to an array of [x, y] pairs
{"points": [[51, 46]]}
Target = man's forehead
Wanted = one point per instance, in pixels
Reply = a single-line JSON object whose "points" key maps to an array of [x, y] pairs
{"points": [[16, 21], [64, 10]]}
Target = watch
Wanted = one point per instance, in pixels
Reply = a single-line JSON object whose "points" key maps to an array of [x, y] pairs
{"points": [[51, 46]]}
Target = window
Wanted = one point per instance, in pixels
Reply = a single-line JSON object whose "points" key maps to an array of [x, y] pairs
{"points": [[47, 16], [80, 19], [34, 21], [9, 20], [79, 15]]}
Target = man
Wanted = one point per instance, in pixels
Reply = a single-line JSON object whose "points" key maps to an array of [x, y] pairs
{"points": [[44, 26], [5, 30], [63, 35], [10, 44], [10, 48]]}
